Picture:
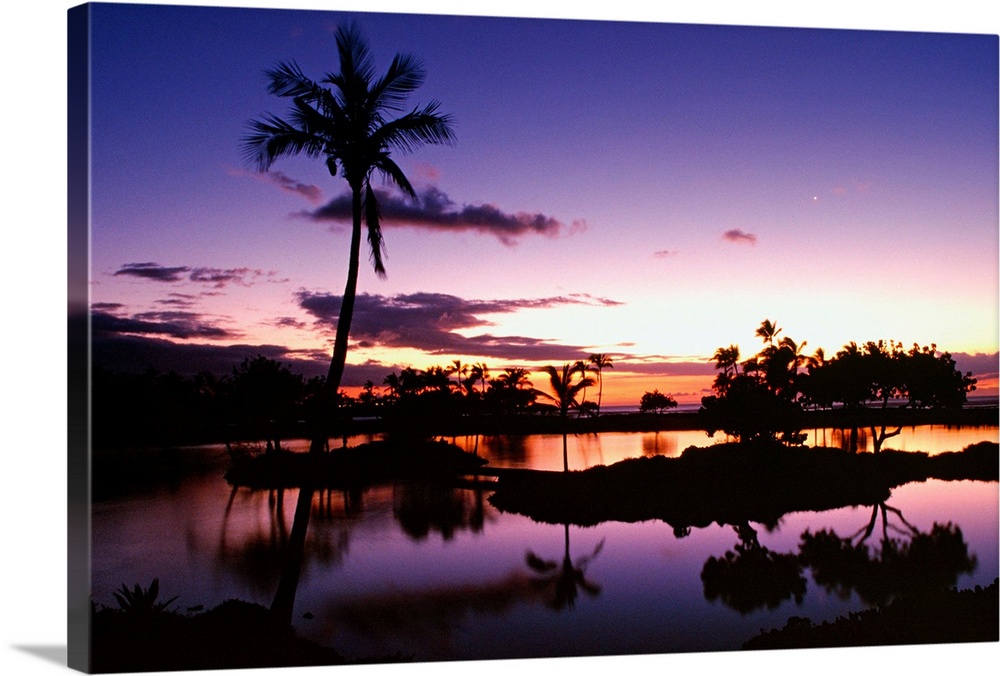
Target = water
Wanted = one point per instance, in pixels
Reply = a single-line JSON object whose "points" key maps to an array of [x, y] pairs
{"points": [[441, 575]]}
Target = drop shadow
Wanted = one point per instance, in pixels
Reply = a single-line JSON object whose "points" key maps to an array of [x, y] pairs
{"points": [[57, 654]]}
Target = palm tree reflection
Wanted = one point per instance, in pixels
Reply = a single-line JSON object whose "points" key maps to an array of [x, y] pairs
{"points": [[564, 580]]}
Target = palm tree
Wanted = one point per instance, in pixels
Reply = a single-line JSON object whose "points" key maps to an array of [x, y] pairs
{"points": [[564, 392], [583, 367], [727, 360], [345, 119], [460, 370], [767, 331], [600, 362], [480, 372]]}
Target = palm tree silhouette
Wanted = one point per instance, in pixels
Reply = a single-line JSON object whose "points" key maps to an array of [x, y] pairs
{"points": [[584, 367], [727, 360], [564, 392], [480, 372], [567, 578], [460, 370], [600, 362], [767, 331], [345, 119]]}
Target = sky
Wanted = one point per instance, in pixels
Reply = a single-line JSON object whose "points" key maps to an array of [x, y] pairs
{"points": [[650, 191]]}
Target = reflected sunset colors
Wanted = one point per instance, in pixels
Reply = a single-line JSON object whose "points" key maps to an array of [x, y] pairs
{"points": [[439, 573]]}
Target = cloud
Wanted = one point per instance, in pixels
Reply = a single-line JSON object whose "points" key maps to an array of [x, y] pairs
{"points": [[152, 271], [981, 365], [177, 300], [665, 253], [434, 210], [173, 324], [308, 191], [288, 323], [430, 322], [311, 193], [659, 365], [217, 277], [137, 354], [855, 186], [737, 236], [426, 172]]}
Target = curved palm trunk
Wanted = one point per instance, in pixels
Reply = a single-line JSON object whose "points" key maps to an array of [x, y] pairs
{"points": [[291, 566], [339, 358]]}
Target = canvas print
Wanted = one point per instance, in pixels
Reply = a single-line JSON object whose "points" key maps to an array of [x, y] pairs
{"points": [[413, 338]]}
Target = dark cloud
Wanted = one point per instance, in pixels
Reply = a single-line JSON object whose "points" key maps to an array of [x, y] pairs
{"points": [[153, 271], [174, 324], [217, 277], [137, 354], [739, 237], [430, 322], [433, 209], [981, 365]]}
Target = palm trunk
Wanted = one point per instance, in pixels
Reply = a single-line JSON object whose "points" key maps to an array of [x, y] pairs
{"points": [[600, 390], [291, 567], [339, 358], [565, 423]]}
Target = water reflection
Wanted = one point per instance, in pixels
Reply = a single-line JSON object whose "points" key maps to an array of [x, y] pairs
{"points": [[750, 576], [436, 572], [423, 507], [915, 563], [564, 581], [269, 554]]}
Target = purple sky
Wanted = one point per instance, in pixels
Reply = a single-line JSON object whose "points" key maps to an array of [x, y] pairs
{"points": [[648, 190]]}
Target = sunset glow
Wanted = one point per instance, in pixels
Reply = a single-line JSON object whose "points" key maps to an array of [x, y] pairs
{"points": [[647, 191]]}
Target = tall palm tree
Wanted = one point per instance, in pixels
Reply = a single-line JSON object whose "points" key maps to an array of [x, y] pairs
{"points": [[346, 120], [564, 392], [600, 362]]}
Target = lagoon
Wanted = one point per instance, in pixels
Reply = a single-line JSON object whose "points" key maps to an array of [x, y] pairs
{"points": [[437, 573]]}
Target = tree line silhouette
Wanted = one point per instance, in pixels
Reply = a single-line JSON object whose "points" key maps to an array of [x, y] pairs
{"points": [[764, 397], [262, 400]]}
